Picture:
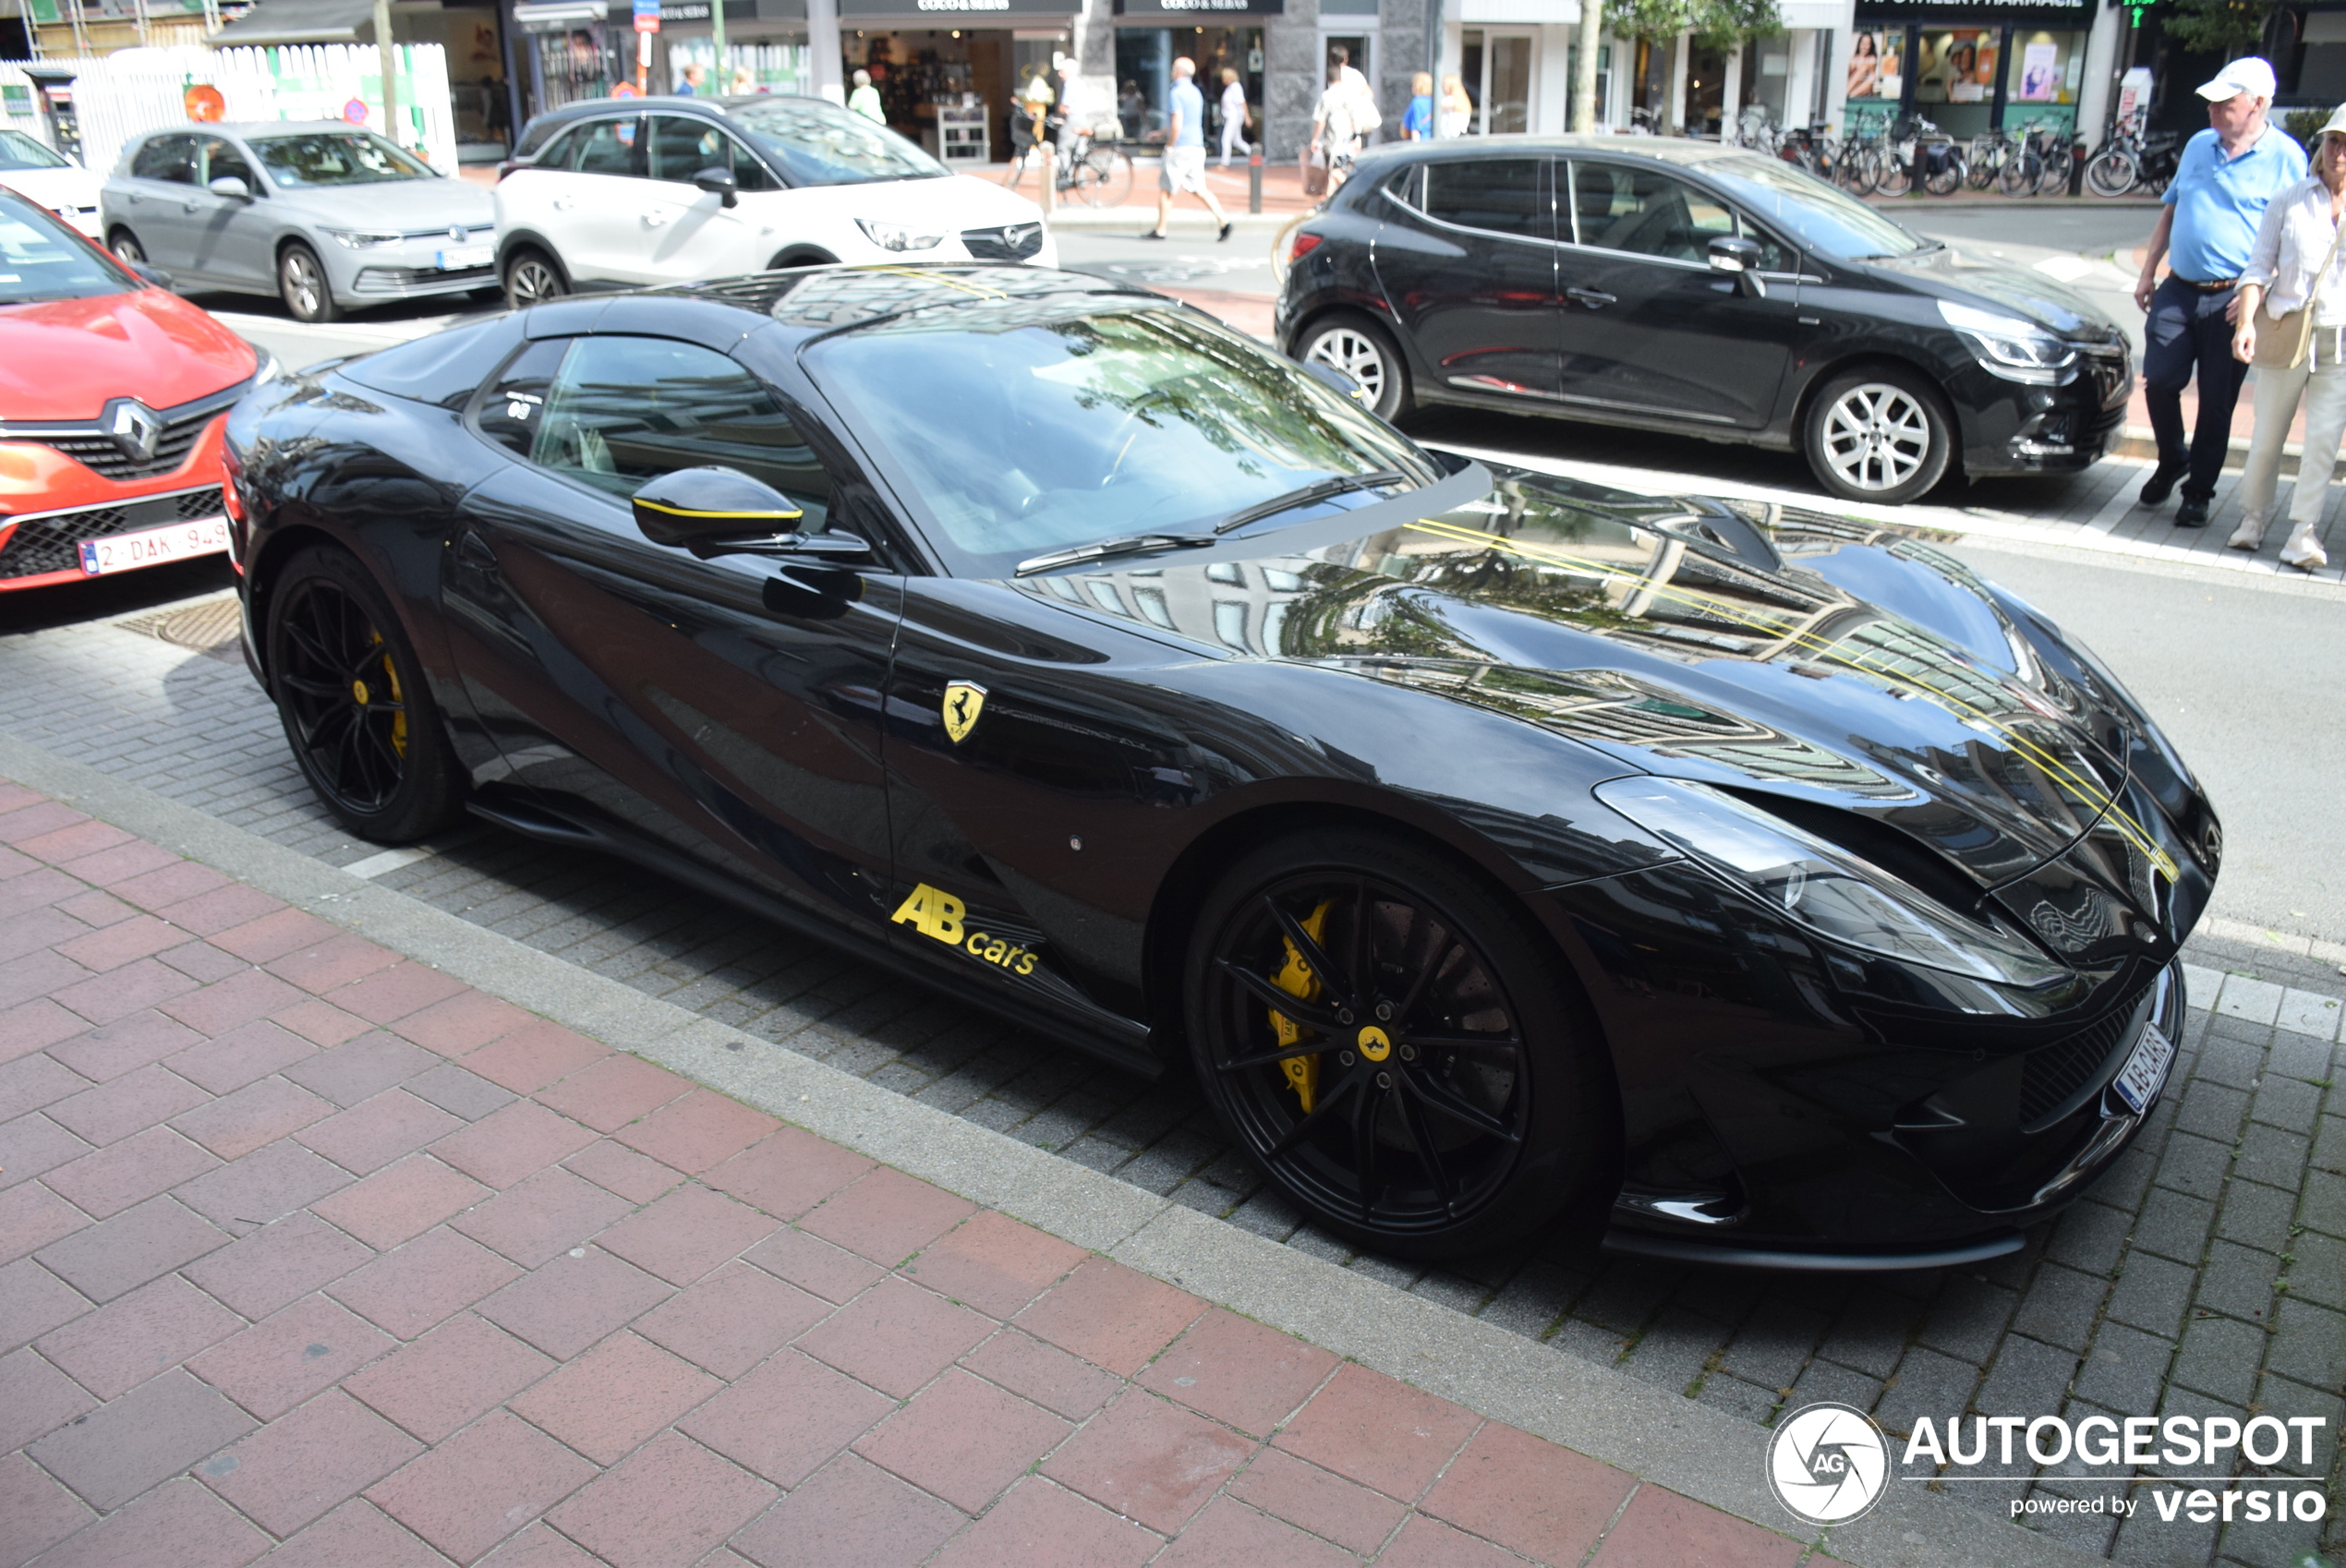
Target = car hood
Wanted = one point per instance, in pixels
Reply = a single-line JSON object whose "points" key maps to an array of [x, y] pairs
{"points": [[2023, 291], [395, 204], [63, 358], [53, 188], [1812, 659]]}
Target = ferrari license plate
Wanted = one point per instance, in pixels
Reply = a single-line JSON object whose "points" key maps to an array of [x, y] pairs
{"points": [[457, 257], [181, 541], [2138, 1082]]}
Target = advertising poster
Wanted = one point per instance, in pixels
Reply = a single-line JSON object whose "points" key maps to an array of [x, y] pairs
{"points": [[1874, 67], [2039, 73]]}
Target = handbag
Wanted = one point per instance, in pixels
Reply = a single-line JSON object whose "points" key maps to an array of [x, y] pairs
{"points": [[1316, 176], [2295, 331]]}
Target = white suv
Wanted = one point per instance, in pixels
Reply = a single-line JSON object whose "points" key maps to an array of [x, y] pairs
{"points": [[668, 191]]}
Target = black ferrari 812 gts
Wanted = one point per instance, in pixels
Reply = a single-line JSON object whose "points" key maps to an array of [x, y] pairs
{"points": [[1500, 853]]}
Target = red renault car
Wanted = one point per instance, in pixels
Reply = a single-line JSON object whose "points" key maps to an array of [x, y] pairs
{"points": [[111, 393]]}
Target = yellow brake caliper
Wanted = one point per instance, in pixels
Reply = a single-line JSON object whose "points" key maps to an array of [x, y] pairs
{"points": [[1296, 980], [399, 719]]}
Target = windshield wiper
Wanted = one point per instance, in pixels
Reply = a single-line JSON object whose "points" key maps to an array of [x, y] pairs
{"points": [[1123, 544], [1307, 494]]}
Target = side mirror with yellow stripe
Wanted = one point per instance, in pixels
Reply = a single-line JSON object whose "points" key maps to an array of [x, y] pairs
{"points": [[716, 511]]}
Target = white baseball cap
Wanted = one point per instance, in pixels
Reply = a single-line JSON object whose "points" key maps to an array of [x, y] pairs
{"points": [[2249, 75]]}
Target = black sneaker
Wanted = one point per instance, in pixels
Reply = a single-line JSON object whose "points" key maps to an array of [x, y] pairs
{"points": [[2193, 514], [1224, 234], [1154, 235], [2162, 482]]}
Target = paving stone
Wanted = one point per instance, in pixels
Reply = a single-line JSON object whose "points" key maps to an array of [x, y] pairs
{"points": [[2175, 1225], [611, 1399], [1380, 1433], [35, 1512], [2240, 1282], [787, 1417], [2151, 1294], [470, 1491], [179, 1522], [2059, 1306], [1147, 1459], [105, 1260], [2273, 1156], [1968, 1316], [1111, 1315], [1043, 1373], [152, 1432], [850, 1514], [1927, 1383], [35, 1399], [134, 1337], [318, 1457], [290, 1355], [2256, 1216], [566, 1304], [2197, 1166]]}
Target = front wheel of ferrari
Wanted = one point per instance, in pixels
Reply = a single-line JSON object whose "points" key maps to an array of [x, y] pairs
{"points": [[1398, 1049], [357, 710]]}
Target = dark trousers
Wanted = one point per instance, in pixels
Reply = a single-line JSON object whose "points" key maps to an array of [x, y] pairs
{"points": [[2187, 331]]}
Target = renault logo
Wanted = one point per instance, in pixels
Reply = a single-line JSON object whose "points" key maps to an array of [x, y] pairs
{"points": [[134, 427]]}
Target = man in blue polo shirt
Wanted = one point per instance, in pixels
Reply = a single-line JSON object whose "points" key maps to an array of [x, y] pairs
{"points": [[2229, 171]]}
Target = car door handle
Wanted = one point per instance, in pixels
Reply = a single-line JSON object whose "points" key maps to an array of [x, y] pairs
{"points": [[653, 220], [473, 550], [564, 203], [1590, 297]]}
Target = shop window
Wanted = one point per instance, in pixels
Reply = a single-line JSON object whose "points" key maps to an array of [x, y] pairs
{"points": [[1877, 78], [1956, 66], [2044, 68], [1504, 196]]}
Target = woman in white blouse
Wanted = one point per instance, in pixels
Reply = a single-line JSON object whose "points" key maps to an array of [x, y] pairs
{"points": [[2299, 230]]}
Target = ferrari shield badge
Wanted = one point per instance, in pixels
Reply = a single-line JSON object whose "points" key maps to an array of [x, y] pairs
{"points": [[964, 699]]}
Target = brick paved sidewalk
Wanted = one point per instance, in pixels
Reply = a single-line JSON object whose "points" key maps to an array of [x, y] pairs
{"points": [[305, 1242]]}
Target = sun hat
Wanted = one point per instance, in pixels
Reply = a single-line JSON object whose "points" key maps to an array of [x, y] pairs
{"points": [[2248, 75]]}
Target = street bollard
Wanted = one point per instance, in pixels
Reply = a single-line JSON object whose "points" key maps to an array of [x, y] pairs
{"points": [[1050, 179], [1254, 181]]}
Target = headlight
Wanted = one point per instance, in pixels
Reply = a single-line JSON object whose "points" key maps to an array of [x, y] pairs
{"points": [[364, 239], [2010, 347], [267, 366], [896, 237], [1823, 887]]}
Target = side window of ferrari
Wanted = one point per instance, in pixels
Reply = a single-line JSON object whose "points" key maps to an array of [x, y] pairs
{"points": [[622, 411], [513, 409]]}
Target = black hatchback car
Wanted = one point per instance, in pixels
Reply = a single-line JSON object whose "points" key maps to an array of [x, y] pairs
{"points": [[1687, 286]]}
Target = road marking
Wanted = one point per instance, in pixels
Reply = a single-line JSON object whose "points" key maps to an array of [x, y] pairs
{"points": [[389, 860]]}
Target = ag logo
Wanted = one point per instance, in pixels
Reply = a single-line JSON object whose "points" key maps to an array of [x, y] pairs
{"points": [[964, 699], [1828, 1463]]}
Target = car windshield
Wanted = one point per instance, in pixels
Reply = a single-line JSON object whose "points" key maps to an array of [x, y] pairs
{"points": [[1029, 427], [18, 150], [1824, 219], [353, 157], [41, 259], [816, 143]]}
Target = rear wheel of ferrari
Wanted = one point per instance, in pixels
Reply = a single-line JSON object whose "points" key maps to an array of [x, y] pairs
{"points": [[1400, 1055], [357, 711]]}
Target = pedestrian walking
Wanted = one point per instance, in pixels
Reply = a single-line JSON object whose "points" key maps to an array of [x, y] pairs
{"points": [[1335, 131], [2297, 342], [866, 100], [1417, 123], [1456, 115], [1236, 117], [1184, 163], [2227, 174]]}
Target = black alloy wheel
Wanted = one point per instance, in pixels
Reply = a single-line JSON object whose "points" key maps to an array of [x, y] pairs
{"points": [[1399, 1053], [357, 711], [532, 277]]}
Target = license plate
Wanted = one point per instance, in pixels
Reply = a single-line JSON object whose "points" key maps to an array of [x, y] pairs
{"points": [[181, 541], [2138, 1082], [460, 256]]}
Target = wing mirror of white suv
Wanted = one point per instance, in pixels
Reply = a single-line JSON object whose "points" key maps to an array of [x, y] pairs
{"points": [[722, 181]]}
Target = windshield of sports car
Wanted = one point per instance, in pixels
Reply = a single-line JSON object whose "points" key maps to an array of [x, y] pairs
{"points": [[41, 259], [818, 143], [18, 150], [320, 158], [1033, 426], [1825, 218]]}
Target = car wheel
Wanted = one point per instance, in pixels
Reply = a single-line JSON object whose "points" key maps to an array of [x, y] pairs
{"points": [[357, 710], [126, 249], [1880, 434], [790, 260], [1365, 352], [532, 277], [1399, 1052], [302, 282]]}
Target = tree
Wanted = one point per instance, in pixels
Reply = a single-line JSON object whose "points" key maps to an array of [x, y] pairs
{"points": [[2228, 27], [1714, 23]]}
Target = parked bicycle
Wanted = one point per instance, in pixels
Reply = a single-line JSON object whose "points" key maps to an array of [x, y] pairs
{"points": [[2130, 161], [1096, 172], [2039, 165]]}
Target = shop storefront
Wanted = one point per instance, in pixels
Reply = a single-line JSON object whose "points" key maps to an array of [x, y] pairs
{"points": [[1970, 70], [1217, 35], [765, 48], [932, 71]]}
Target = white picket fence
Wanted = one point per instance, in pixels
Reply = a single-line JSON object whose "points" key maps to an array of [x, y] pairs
{"points": [[122, 95]]}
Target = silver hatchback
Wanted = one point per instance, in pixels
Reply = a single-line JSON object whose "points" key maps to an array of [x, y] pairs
{"points": [[326, 216]]}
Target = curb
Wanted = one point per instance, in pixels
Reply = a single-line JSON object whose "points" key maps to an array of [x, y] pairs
{"points": [[1609, 1415], [2135, 443], [1087, 219]]}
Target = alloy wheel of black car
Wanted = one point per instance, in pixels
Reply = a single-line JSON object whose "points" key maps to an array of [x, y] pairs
{"points": [[1392, 1047], [532, 278], [355, 708], [1878, 434], [302, 282], [1365, 352]]}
